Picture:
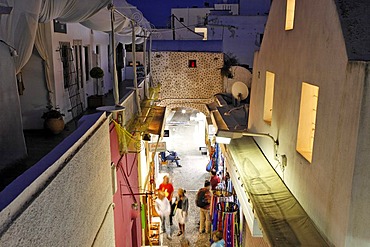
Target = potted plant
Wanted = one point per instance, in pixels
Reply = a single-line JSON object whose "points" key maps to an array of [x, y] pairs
{"points": [[96, 100], [53, 120], [229, 61]]}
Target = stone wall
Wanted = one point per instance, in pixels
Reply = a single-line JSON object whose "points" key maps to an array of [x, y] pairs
{"points": [[181, 85]]}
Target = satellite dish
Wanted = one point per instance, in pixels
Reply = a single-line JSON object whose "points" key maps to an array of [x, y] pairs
{"points": [[239, 90], [242, 74], [239, 74]]}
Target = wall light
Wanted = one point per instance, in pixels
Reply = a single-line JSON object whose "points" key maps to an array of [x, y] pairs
{"points": [[223, 140], [114, 177], [239, 134], [146, 137], [227, 135]]}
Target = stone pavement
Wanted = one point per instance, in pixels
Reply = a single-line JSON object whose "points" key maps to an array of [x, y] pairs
{"points": [[185, 140]]}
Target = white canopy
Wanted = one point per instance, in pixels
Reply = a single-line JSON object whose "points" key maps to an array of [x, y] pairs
{"points": [[101, 21], [18, 31]]}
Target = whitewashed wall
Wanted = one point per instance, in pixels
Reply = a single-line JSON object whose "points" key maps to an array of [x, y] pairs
{"points": [[90, 38], [314, 52], [358, 233], [192, 17], [240, 35], [34, 98], [71, 203], [12, 146]]}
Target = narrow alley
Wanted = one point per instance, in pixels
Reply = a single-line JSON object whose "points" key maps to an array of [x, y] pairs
{"points": [[185, 138]]}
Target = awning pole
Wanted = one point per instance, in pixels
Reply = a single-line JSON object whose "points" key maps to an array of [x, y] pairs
{"points": [[134, 67], [115, 78], [150, 55], [145, 68]]}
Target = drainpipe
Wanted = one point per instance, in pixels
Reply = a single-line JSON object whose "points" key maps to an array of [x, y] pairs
{"points": [[134, 67], [115, 78], [150, 56], [173, 27]]}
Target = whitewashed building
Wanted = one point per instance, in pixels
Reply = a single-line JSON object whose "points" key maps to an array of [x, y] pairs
{"points": [[238, 24], [310, 91], [47, 63]]}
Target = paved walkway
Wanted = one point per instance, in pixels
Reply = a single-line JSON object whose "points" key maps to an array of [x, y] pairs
{"points": [[184, 139]]}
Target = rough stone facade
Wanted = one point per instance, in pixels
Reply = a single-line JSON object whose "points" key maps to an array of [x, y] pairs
{"points": [[184, 86]]}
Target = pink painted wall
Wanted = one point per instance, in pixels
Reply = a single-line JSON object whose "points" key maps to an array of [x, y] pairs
{"points": [[127, 230]]}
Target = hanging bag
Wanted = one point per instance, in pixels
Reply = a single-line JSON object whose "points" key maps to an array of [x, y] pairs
{"points": [[209, 165], [174, 210]]}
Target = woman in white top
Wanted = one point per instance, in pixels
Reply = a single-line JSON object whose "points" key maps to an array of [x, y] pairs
{"points": [[163, 208]]}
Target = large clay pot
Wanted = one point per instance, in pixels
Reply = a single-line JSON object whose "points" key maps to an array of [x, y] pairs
{"points": [[55, 125]]}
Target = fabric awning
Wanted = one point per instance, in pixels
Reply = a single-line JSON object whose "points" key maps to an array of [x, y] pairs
{"points": [[156, 120], [124, 13], [283, 220]]}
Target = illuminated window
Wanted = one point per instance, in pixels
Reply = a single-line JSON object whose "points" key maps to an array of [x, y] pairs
{"points": [[289, 19], [192, 63], [269, 97], [307, 120], [202, 30]]}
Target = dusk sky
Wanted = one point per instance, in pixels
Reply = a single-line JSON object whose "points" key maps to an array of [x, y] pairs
{"points": [[158, 12]]}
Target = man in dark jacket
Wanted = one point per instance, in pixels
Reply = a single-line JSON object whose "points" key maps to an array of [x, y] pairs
{"points": [[203, 201]]}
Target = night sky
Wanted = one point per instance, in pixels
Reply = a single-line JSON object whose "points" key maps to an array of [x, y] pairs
{"points": [[158, 12]]}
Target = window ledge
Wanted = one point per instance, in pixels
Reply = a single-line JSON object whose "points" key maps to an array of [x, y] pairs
{"points": [[306, 154]]}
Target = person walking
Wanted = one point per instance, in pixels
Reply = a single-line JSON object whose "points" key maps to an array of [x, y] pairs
{"points": [[215, 180], [182, 207], [168, 189], [163, 208], [203, 201]]}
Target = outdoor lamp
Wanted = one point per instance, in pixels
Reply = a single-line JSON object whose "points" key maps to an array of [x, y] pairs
{"points": [[223, 140], [239, 134], [146, 137], [228, 135]]}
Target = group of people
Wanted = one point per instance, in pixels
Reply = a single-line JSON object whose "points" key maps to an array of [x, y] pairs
{"points": [[167, 208], [178, 208]]}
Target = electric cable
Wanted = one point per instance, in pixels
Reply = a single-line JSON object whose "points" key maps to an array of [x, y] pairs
{"points": [[174, 16]]}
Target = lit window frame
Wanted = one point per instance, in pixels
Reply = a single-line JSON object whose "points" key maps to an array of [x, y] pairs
{"points": [[289, 15], [192, 63], [307, 120], [269, 97], [202, 30]]}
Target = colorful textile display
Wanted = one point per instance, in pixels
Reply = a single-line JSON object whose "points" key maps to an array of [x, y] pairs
{"points": [[216, 215], [216, 156], [228, 212]]}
